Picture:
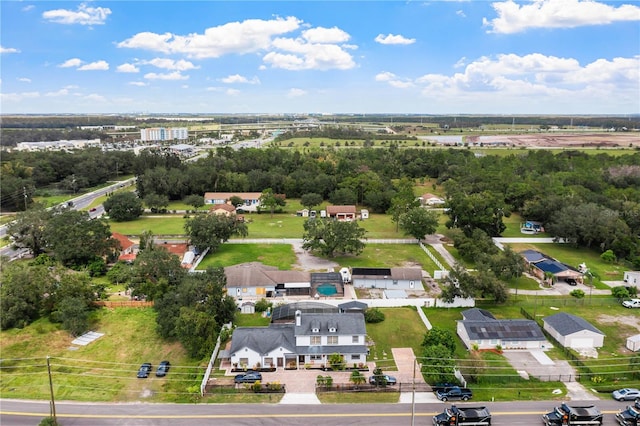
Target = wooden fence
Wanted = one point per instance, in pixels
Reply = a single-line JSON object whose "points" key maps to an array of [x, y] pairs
{"points": [[124, 304]]}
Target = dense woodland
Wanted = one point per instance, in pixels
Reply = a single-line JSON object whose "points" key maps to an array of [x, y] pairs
{"points": [[590, 199]]}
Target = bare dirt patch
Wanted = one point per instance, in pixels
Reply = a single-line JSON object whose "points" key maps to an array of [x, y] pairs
{"points": [[632, 320], [562, 140]]}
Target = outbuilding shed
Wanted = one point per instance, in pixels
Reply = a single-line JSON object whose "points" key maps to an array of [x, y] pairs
{"points": [[573, 332], [633, 343]]}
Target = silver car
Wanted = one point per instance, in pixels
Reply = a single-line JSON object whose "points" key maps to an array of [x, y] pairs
{"points": [[626, 394]]}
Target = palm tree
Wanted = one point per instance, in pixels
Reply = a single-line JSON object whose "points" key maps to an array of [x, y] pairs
{"points": [[357, 378]]}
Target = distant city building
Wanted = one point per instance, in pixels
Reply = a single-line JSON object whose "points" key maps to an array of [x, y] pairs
{"points": [[164, 134], [56, 145]]}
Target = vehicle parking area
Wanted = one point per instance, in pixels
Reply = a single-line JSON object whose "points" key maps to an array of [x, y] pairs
{"points": [[537, 364]]}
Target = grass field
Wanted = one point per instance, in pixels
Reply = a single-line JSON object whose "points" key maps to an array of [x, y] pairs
{"points": [[388, 255], [279, 255]]}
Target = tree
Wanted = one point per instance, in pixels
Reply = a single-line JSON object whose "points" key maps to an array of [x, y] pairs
{"points": [[403, 201], [483, 283], [155, 272], [194, 200], [211, 230], [418, 222], [197, 331], [236, 201], [310, 200], [357, 378], [437, 364], [373, 315], [608, 256], [269, 200], [27, 231], [75, 239], [22, 293], [483, 210], [156, 202], [123, 206], [119, 273], [439, 336], [329, 236], [472, 247], [336, 361]]}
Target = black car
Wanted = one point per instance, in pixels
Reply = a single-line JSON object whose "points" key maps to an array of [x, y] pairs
{"points": [[163, 369], [145, 370], [382, 379], [251, 377]]}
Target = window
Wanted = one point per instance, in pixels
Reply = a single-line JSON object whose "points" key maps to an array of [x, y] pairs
{"points": [[315, 330], [315, 357], [244, 362], [332, 340], [315, 340], [355, 357], [355, 339], [395, 282]]}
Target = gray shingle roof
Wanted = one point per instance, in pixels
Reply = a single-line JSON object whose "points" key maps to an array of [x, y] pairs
{"points": [[263, 339], [347, 323], [477, 314], [567, 324]]}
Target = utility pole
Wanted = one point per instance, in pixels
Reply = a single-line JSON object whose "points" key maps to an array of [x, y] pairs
{"points": [[53, 402], [24, 191]]}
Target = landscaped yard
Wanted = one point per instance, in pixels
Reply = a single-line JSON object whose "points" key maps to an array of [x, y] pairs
{"points": [[279, 255]]}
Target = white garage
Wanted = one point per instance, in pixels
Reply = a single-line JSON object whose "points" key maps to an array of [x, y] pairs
{"points": [[573, 332]]}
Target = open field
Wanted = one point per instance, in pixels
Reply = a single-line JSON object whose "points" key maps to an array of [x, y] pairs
{"points": [[560, 140], [279, 255]]}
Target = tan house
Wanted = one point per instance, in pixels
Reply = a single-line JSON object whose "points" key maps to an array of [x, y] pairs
{"points": [[222, 209], [343, 213]]}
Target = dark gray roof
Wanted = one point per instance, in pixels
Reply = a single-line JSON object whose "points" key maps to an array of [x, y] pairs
{"points": [[515, 329], [567, 324], [287, 312], [326, 277], [477, 314], [263, 339], [353, 305], [348, 323]]}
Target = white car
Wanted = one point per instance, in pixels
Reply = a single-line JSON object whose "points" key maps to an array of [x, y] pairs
{"points": [[633, 303]]}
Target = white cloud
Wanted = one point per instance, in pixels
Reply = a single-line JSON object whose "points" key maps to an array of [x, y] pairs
{"points": [[248, 36], [299, 55], [94, 97], [237, 78], [543, 80], [170, 64], [394, 39], [84, 15], [461, 62], [295, 92], [61, 92], [461, 13], [514, 18], [232, 92], [28, 8], [8, 50], [138, 83], [95, 66], [169, 76], [17, 97], [70, 63], [393, 80], [130, 68], [24, 80], [325, 35]]}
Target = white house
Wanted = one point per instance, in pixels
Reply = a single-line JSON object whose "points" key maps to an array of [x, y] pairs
{"points": [[632, 278], [387, 278], [479, 328], [250, 200], [573, 332], [309, 341], [430, 200]]}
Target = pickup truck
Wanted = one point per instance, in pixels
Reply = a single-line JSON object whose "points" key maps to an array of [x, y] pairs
{"points": [[629, 416], [573, 415], [454, 393], [463, 416]]}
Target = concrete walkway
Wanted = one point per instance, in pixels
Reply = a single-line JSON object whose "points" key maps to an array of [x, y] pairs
{"points": [[300, 398]]}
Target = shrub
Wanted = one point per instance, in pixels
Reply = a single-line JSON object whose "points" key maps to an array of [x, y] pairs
{"points": [[262, 305], [373, 315]]}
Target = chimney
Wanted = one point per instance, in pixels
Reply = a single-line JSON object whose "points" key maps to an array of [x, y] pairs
{"points": [[298, 318]]}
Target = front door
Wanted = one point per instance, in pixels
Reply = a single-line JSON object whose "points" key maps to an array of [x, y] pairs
{"points": [[280, 362]]}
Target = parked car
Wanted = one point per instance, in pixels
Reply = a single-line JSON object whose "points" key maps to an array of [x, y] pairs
{"points": [[626, 394], [571, 281], [251, 377], [382, 379], [145, 370], [454, 393], [443, 387], [163, 369], [633, 303]]}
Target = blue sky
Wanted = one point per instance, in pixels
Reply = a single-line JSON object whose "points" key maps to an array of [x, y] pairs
{"points": [[415, 57]]}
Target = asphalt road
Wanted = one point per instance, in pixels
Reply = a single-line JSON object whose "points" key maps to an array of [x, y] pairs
{"points": [[25, 413]]}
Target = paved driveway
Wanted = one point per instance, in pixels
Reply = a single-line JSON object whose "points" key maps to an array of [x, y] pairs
{"points": [[540, 366]]}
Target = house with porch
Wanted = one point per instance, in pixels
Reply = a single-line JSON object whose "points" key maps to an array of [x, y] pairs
{"points": [[343, 213], [387, 278], [307, 342], [542, 266], [429, 199], [255, 280], [480, 329], [250, 200]]}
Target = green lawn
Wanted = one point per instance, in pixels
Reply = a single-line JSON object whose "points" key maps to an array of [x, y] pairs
{"points": [[401, 328], [159, 225], [513, 228], [104, 370], [279, 255], [388, 255]]}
